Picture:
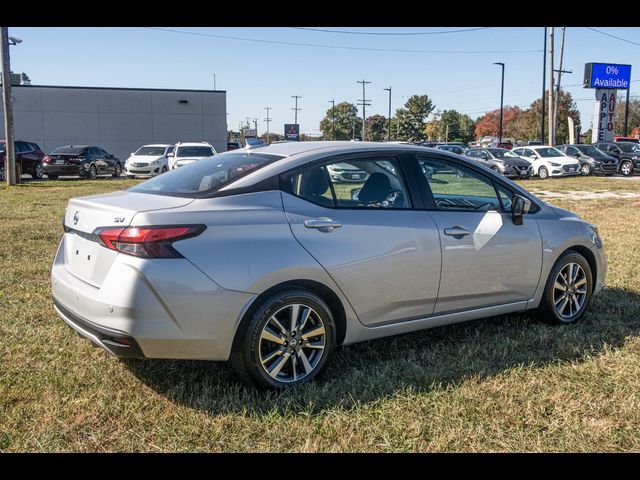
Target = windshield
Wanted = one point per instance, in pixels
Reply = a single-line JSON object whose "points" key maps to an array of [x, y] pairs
{"points": [[629, 147], [502, 153], [194, 152], [591, 150], [549, 152], [155, 151], [206, 176]]}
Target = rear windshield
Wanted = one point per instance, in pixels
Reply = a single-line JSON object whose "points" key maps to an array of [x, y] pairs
{"points": [[194, 152], [69, 150], [206, 176]]}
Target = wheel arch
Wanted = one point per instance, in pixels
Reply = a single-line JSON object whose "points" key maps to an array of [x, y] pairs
{"points": [[589, 257], [320, 289]]}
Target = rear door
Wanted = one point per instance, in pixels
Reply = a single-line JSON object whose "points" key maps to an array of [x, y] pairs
{"points": [[486, 259], [356, 217]]}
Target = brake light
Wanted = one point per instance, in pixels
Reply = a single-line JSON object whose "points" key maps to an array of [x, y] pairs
{"points": [[146, 242], [47, 159]]}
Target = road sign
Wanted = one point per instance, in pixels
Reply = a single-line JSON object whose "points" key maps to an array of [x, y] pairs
{"points": [[604, 114], [607, 75], [292, 132]]}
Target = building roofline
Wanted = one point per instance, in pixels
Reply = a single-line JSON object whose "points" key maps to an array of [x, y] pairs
{"points": [[121, 88]]}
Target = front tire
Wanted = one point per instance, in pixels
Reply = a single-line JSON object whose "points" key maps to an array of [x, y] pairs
{"points": [[568, 290], [288, 340], [626, 169], [585, 169], [543, 173]]}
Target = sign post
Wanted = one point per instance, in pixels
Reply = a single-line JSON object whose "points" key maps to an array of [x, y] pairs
{"points": [[606, 79]]}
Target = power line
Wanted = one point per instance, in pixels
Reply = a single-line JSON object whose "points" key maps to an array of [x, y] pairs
{"points": [[613, 36], [211, 35], [391, 33]]}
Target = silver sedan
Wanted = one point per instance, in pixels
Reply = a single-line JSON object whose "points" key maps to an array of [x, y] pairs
{"points": [[262, 258]]}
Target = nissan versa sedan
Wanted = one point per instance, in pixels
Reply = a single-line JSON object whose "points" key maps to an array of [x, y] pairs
{"points": [[502, 161], [262, 258]]}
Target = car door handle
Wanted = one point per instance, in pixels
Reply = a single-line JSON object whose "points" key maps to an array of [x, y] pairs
{"points": [[323, 224], [456, 231]]}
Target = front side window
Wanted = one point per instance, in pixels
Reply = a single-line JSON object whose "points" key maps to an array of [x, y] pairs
{"points": [[372, 182], [455, 187]]}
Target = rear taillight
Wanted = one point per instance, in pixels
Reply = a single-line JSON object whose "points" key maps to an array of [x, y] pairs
{"points": [[147, 242], [47, 159]]}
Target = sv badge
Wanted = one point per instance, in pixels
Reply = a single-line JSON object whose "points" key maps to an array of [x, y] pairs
{"points": [[118, 219]]}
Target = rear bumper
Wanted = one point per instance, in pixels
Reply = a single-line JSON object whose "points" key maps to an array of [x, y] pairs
{"points": [[167, 308], [65, 170]]}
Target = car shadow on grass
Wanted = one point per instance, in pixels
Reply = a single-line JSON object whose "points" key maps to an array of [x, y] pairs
{"points": [[420, 361]]}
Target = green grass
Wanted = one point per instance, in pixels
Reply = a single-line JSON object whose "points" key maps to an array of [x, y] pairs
{"points": [[508, 383]]}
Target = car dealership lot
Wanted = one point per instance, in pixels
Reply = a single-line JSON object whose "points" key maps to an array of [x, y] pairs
{"points": [[509, 383]]}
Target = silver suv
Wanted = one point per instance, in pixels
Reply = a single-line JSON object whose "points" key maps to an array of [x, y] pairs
{"points": [[260, 257]]}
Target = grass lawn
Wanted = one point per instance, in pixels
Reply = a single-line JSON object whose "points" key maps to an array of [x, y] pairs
{"points": [[509, 383]]}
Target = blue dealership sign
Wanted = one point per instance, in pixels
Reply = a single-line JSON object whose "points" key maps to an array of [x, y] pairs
{"points": [[607, 75]]}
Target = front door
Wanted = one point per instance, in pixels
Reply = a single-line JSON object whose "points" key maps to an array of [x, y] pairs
{"points": [[356, 218], [486, 259]]}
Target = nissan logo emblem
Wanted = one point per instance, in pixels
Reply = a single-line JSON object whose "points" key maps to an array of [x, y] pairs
{"points": [[76, 217]]}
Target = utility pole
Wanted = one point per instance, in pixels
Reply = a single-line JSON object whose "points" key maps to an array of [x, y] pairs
{"points": [[446, 135], [267, 120], [353, 128], [10, 169], [255, 125], [214, 82], [544, 80], [364, 105], [333, 118], [557, 97], [389, 119], [296, 108], [552, 134], [501, 101]]}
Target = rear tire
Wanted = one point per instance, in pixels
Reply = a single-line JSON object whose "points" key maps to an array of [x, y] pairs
{"points": [[118, 170], [37, 171], [92, 173], [568, 290], [270, 352], [543, 173]]}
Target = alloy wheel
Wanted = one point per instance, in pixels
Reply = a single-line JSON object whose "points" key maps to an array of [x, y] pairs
{"points": [[585, 169], [292, 343], [38, 171], [626, 169], [569, 290]]}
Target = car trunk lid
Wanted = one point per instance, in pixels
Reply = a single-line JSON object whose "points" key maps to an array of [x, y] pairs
{"points": [[85, 258]]}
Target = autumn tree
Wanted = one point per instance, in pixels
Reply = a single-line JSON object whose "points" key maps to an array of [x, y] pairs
{"points": [[346, 118], [633, 120], [489, 123], [412, 118]]}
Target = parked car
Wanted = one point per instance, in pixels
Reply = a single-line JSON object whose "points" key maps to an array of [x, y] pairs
{"points": [[347, 173], [274, 267], [28, 155], [186, 153], [148, 161], [451, 148], [548, 161], [502, 161], [591, 159], [233, 146], [86, 161], [627, 153], [534, 142]]}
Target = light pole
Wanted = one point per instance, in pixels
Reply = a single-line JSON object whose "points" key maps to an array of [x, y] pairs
{"points": [[389, 119], [333, 118], [296, 109], [5, 42], [501, 101], [214, 82]]}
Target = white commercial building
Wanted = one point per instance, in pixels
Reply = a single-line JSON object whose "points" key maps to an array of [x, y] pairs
{"points": [[119, 120]]}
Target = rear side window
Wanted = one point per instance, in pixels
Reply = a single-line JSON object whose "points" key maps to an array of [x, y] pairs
{"points": [[206, 176], [373, 182]]}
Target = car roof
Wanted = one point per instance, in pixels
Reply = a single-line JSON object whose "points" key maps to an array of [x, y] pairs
{"points": [[157, 145], [193, 144]]}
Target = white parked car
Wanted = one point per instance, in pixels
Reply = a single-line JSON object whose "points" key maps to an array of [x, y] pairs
{"points": [[548, 161], [148, 161], [186, 153]]}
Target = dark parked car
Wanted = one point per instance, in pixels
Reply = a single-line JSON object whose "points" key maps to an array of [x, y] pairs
{"points": [[233, 146], [592, 160], [28, 155], [627, 153], [451, 148], [84, 160]]}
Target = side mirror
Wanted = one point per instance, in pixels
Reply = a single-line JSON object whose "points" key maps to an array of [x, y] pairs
{"points": [[170, 154], [519, 206]]}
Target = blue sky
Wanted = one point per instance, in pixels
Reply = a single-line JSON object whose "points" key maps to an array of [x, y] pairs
{"points": [[261, 74]]}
